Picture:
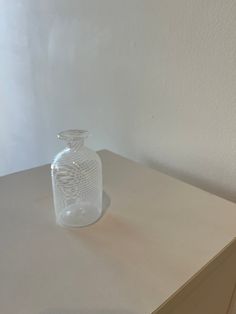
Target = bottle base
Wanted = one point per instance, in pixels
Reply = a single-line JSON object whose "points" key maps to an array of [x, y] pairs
{"points": [[75, 216]]}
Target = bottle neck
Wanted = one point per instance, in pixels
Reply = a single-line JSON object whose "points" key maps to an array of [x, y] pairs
{"points": [[75, 145]]}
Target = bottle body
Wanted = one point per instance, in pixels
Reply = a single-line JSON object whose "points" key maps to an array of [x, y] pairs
{"points": [[77, 185]]}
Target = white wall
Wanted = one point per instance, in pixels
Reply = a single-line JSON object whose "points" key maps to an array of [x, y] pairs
{"points": [[154, 80]]}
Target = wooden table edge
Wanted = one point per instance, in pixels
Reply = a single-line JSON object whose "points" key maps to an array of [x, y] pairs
{"points": [[183, 292]]}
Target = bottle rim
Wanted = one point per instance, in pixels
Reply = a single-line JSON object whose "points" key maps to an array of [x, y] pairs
{"points": [[73, 135]]}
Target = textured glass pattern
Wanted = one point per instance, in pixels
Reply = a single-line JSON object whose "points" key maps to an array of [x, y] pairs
{"points": [[77, 182]]}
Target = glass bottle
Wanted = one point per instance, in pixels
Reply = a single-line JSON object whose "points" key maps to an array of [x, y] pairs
{"points": [[77, 182]]}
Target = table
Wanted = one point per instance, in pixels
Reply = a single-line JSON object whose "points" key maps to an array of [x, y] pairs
{"points": [[163, 246]]}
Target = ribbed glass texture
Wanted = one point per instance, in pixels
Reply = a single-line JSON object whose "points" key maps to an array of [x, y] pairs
{"points": [[77, 182]]}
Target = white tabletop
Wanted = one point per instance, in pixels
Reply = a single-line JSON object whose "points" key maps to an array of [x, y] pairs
{"points": [[157, 233]]}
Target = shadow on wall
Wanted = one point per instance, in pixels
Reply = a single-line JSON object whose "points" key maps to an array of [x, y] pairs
{"points": [[85, 311], [203, 184]]}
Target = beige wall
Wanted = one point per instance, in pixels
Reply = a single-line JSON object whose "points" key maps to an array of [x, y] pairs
{"points": [[154, 80]]}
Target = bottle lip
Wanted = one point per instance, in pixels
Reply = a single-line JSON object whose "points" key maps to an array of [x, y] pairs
{"points": [[73, 135]]}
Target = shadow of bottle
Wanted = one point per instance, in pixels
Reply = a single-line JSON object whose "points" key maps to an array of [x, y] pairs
{"points": [[106, 202]]}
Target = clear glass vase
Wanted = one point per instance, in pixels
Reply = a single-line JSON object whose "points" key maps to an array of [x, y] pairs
{"points": [[77, 182]]}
